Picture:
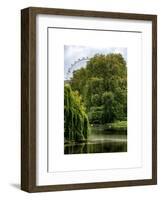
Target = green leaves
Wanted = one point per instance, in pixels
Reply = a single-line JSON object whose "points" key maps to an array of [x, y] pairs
{"points": [[103, 84], [76, 125]]}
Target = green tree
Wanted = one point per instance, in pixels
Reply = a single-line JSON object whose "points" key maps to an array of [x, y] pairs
{"points": [[108, 104], [103, 87], [76, 125]]}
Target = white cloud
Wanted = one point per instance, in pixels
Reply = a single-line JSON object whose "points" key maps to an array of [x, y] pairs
{"points": [[73, 53]]}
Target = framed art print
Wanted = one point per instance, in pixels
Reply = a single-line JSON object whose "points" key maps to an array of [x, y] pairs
{"points": [[88, 99]]}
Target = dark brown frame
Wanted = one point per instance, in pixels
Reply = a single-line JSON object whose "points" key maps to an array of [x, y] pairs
{"points": [[28, 98]]}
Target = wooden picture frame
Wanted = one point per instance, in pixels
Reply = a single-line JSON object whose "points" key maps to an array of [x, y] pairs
{"points": [[28, 98]]}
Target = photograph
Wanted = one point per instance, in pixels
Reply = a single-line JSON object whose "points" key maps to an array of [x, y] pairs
{"points": [[95, 99]]}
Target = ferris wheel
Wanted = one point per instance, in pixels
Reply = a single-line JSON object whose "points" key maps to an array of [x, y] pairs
{"points": [[81, 62]]}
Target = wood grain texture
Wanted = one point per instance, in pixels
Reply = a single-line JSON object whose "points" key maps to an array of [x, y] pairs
{"points": [[154, 99], [24, 100], [28, 98]]}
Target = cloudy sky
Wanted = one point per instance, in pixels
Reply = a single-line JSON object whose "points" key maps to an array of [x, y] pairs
{"points": [[73, 53]]}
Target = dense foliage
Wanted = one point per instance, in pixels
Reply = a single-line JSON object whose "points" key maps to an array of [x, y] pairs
{"points": [[103, 87], [75, 119]]}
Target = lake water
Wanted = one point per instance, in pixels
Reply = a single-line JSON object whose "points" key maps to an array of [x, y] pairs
{"points": [[100, 141]]}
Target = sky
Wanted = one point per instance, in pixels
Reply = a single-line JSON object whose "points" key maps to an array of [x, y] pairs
{"points": [[73, 53]]}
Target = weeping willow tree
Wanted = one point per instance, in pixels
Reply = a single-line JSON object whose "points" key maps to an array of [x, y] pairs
{"points": [[76, 125]]}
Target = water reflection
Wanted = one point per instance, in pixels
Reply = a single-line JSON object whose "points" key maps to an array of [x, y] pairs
{"points": [[100, 141]]}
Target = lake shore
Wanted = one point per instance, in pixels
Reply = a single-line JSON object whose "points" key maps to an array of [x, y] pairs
{"points": [[115, 126], [99, 141]]}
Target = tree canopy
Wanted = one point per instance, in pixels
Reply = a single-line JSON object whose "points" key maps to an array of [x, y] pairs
{"points": [[103, 88]]}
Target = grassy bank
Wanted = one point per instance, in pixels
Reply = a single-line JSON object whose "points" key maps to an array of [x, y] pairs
{"points": [[115, 126]]}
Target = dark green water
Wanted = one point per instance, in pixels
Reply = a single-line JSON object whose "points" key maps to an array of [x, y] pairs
{"points": [[100, 141]]}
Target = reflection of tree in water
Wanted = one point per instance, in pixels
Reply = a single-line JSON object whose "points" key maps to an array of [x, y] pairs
{"points": [[74, 148], [113, 144], [96, 148]]}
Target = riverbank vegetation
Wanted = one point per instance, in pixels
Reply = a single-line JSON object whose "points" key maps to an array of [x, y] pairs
{"points": [[76, 125], [118, 126]]}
